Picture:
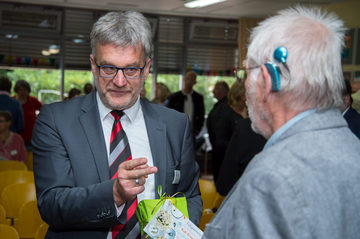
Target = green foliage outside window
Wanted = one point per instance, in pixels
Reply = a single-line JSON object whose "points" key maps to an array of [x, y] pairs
{"points": [[41, 80]]}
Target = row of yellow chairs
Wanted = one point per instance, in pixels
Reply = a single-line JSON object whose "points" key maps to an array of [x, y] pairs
{"points": [[9, 232], [17, 165]]}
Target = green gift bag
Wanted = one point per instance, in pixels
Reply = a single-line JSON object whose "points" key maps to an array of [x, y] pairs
{"points": [[147, 208]]}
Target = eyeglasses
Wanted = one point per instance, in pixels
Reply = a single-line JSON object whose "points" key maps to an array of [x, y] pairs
{"points": [[280, 55], [109, 71], [241, 73]]}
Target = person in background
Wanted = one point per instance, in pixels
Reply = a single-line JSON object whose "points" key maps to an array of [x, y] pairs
{"points": [[351, 116], [190, 102], [12, 105], [162, 92], [220, 125], [88, 87], [73, 92], [243, 145], [11, 144], [305, 182], [30, 106], [96, 156]]}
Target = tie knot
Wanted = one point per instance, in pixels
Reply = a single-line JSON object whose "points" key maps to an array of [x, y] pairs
{"points": [[117, 114]]}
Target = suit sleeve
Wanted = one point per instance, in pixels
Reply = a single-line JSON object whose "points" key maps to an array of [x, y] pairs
{"points": [[64, 201], [265, 207]]}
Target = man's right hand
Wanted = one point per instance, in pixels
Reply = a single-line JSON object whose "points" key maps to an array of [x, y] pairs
{"points": [[129, 174]]}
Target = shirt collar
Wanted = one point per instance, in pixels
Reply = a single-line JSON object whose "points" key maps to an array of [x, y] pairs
{"points": [[272, 140], [131, 112], [346, 110]]}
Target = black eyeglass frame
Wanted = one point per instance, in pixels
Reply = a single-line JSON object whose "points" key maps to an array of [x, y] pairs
{"points": [[122, 69]]}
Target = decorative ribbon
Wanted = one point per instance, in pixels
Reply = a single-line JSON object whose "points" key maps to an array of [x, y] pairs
{"points": [[163, 197]]}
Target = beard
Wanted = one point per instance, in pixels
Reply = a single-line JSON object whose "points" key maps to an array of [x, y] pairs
{"points": [[256, 113], [110, 103]]}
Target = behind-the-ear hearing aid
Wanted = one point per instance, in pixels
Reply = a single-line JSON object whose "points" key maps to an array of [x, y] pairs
{"points": [[280, 55], [274, 74]]}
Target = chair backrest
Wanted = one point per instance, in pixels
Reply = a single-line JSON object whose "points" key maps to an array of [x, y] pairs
{"points": [[8, 232], [218, 201], [15, 176], [29, 160], [29, 220], [208, 193], [15, 195], [12, 165], [41, 231], [206, 218]]}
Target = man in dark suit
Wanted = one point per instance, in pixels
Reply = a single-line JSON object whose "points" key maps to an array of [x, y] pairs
{"points": [[350, 114], [73, 142], [190, 102]]}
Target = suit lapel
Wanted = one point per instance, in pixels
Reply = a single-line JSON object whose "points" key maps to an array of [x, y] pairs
{"points": [[156, 130], [90, 122]]}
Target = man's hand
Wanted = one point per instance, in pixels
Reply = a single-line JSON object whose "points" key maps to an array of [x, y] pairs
{"points": [[129, 174]]}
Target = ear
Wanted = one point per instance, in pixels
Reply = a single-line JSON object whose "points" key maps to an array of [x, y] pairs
{"points": [[147, 68], [92, 63], [266, 88]]}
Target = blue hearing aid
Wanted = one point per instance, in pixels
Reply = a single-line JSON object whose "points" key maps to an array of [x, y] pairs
{"points": [[280, 55], [274, 74]]}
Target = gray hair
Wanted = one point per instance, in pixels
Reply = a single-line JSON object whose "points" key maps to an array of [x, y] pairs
{"points": [[122, 29], [314, 40]]}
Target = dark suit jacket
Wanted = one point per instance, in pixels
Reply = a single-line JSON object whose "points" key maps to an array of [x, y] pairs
{"points": [[71, 168], [14, 107], [221, 123], [243, 146], [176, 102], [353, 119]]}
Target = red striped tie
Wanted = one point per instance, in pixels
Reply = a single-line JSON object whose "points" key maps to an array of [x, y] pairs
{"points": [[120, 152]]}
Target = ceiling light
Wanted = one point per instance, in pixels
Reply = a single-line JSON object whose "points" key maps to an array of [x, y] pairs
{"points": [[45, 53], [78, 40], [54, 49], [11, 36], [201, 3]]}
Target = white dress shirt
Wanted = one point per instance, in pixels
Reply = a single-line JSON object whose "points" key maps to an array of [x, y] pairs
{"points": [[134, 126], [189, 106]]}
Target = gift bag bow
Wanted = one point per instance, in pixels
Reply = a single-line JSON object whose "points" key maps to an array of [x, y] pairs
{"points": [[147, 208]]}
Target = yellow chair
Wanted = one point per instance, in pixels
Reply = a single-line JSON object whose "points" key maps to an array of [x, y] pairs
{"points": [[217, 202], [41, 231], [29, 220], [12, 165], [15, 176], [8, 232], [3, 219], [208, 193], [29, 160], [206, 217], [15, 195]]}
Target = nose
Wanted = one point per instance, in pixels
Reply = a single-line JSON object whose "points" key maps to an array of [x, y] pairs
{"points": [[120, 79]]}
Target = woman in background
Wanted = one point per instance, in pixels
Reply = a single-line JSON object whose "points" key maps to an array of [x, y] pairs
{"points": [[31, 108], [243, 145], [11, 144], [161, 94]]}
